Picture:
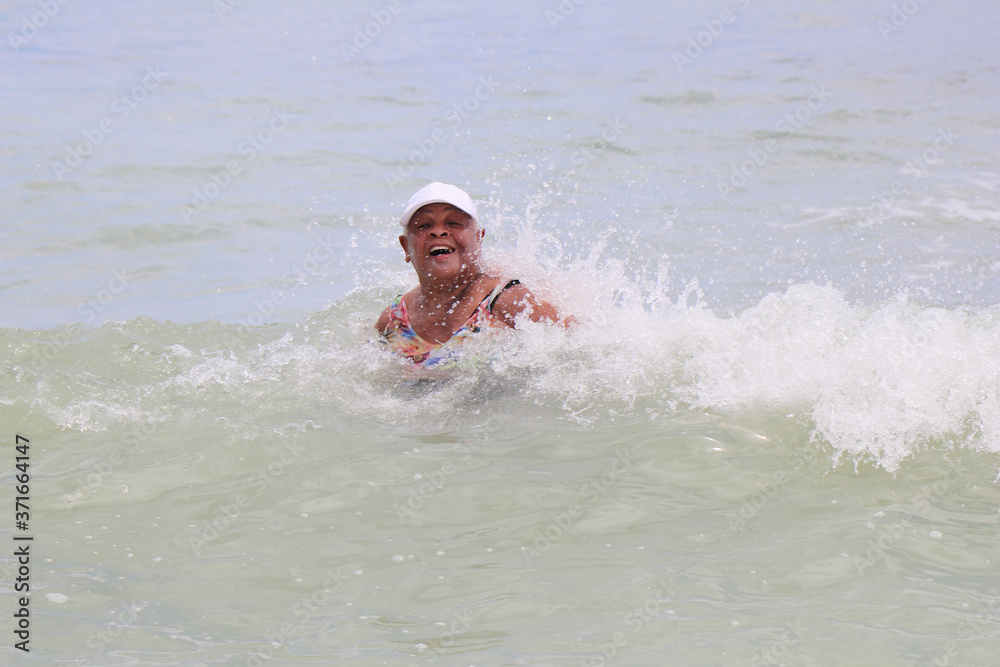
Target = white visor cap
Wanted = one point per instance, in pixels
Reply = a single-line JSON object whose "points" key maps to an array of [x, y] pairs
{"points": [[439, 193]]}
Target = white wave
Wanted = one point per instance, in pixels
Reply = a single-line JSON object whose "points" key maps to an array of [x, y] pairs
{"points": [[874, 383]]}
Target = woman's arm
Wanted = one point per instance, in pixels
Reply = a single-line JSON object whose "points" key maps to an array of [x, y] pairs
{"points": [[383, 320], [518, 299]]}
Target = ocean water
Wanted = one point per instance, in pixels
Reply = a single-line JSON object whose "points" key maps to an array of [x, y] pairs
{"points": [[773, 437]]}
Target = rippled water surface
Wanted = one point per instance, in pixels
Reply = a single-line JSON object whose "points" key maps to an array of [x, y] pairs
{"points": [[771, 439]]}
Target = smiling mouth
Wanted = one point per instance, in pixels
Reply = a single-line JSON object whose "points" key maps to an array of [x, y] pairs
{"points": [[437, 251]]}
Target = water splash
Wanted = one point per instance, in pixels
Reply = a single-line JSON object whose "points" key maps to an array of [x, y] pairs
{"points": [[872, 382]]}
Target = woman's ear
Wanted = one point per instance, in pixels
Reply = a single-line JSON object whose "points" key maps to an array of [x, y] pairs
{"points": [[406, 249]]}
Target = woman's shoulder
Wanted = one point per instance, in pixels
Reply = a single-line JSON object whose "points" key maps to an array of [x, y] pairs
{"points": [[395, 310], [515, 298], [499, 286], [404, 301]]}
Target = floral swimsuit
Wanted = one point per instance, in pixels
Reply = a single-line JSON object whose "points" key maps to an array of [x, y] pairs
{"points": [[402, 339]]}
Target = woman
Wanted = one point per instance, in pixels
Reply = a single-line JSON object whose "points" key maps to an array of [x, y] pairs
{"points": [[456, 297]]}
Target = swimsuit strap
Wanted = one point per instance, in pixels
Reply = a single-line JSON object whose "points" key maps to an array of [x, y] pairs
{"points": [[500, 290]]}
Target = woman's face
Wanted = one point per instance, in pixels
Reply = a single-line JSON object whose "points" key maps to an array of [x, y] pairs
{"points": [[443, 242]]}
